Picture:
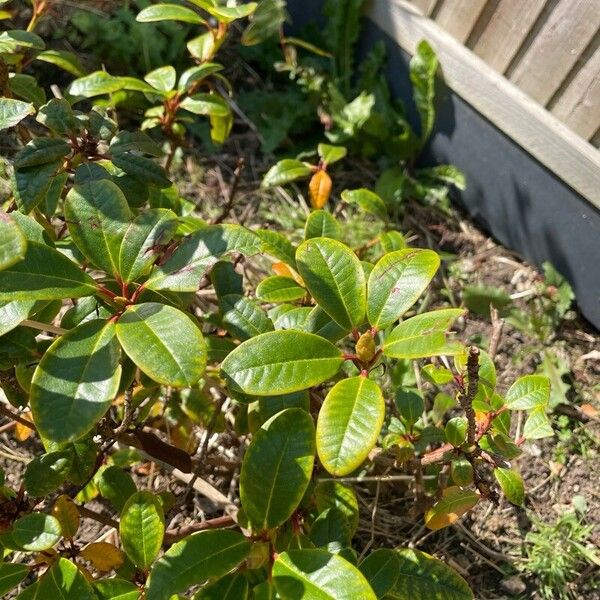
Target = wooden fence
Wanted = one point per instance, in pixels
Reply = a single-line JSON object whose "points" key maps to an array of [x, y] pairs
{"points": [[550, 49]]}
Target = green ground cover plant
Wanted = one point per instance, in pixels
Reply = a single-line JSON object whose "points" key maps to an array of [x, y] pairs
{"points": [[317, 361]]}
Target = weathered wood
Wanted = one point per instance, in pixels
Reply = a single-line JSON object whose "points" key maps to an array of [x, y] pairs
{"points": [[425, 6], [458, 17], [531, 126], [505, 31], [556, 48], [578, 105]]}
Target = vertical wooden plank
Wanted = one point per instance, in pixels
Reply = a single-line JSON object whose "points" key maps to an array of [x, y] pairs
{"points": [[458, 17], [505, 31], [556, 48], [425, 6], [578, 105]]}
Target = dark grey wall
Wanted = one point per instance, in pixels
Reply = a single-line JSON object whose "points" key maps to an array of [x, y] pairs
{"points": [[509, 193]]}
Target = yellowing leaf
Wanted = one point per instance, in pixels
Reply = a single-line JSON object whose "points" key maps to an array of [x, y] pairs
{"points": [[66, 513], [103, 556], [22, 432], [319, 189], [280, 268], [454, 503]]}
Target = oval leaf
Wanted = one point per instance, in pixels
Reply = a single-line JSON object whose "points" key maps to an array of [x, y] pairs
{"points": [[381, 569], [335, 279], [280, 362], [163, 342], [277, 468], [75, 382], [367, 200], [349, 423], [528, 392], [285, 171], [11, 575], [396, 283], [279, 288], [169, 12], [13, 243], [512, 485], [455, 502], [64, 580], [66, 513], [36, 532], [242, 317], [320, 223]]}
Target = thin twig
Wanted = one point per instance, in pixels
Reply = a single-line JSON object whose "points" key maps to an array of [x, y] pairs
{"points": [[231, 192], [497, 327], [44, 327]]}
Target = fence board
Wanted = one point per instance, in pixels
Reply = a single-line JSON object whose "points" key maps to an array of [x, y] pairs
{"points": [[458, 17], [578, 106], [556, 48], [506, 30]]}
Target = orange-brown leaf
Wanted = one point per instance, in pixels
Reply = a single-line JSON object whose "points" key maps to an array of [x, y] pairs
{"points": [[454, 503], [22, 432], [66, 512], [319, 189]]}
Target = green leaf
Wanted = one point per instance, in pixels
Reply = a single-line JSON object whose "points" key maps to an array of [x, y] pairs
{"points": [[198, 252], [260, 411], [143, 242], [410, 405], [478, 298], [163, 78], [197, 73], [46, 473], [13, 313], [116, 486], [141, 168], [230, 587], [277, 245], [12, 112], [13, 39], [331, 154], [11, 575], [456, 431], [422, 576], [63, 59], [36, 532], [320, 323], [64, 581], [169, 12], [163, 342], [242, 317], [286, 171], [196, 558], [116, 589], [380, 569], [278, 288], [391, 241], [142, 528], [423, 335], [330, 493], [277, 468], [31, 185], [97, 216], [58, 116], [268, 17], [396, 283], [95, 84], [320, 223], [40, 151], [454, 503], [76, 380], [512, 485], [529, 392], [367, 200], [44, 274], [423, 66], [335, 279], [202, 47], [13, 243], [226, 14], [537, 425], [26, 88], [280, 362], [349, 424], [206, 104], [317, 575]]}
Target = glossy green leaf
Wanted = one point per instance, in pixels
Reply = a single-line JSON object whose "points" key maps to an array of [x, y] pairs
{"points": [[293, 319], [95, 84], [26, 88], [423, 66], [461, 471], [163, 78], [142, 528], [116, 589], [13, 243], [278, 288], [261, 410], [268, 17], [422, 576], [206, 104], [330, 493], [11, 575], [36, 532], [391, 241], [410, 405], [349, 424], [330, 154], [317, 575], [396, 283], [537, 425], [230, 587], [226, 14], [40, 151], [321, 223], [423, 335], [13, 39], [169, 12], [202, 47], [286, 171], [127, 141], [141, 168], [320, 323], [31, 185], [381, 569], [163, 342], [67, 61], [13, 313], [277, 245], [280, 362], [335, 279], [277, 468], [242, 317], [116, 485], [98, 216], [46, 473], [512, 485], [197, 73], [58, 116], [143, 241], [196, 558], [76, 380], [456, 431], [367, 200], [528, 392], [12, 112], [454, 503], [64, 581], [198, 252]]}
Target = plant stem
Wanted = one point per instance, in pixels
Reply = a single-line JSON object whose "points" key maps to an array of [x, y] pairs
{"points": [[44, 327]]}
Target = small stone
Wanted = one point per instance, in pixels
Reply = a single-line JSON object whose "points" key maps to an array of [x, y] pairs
{"points": [[513, 585], [576, 488]]}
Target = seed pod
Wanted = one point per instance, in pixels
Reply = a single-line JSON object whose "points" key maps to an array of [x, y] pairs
{"points": [[365, 347]]}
